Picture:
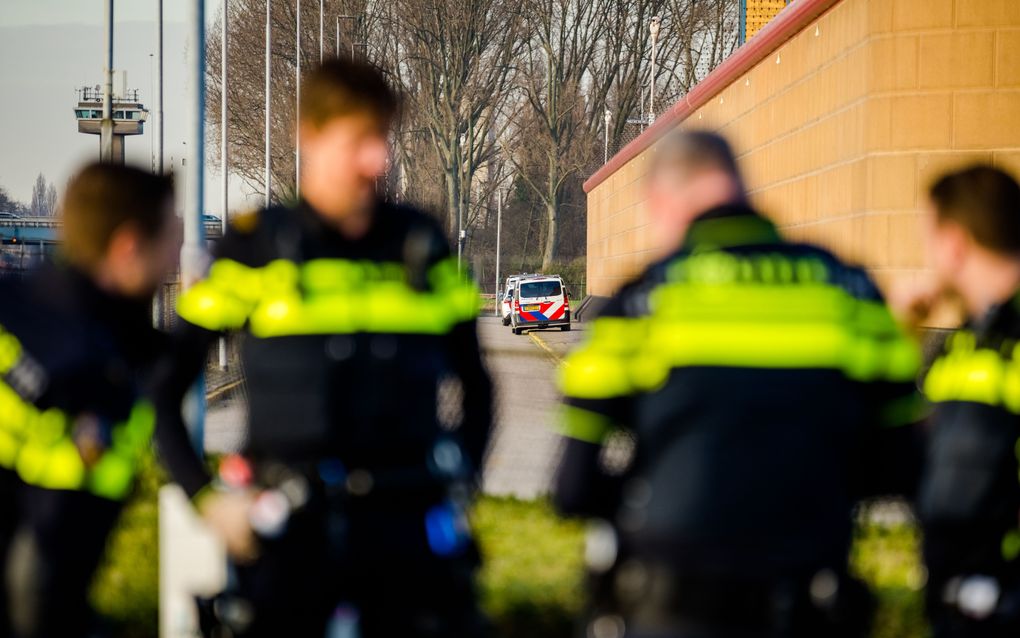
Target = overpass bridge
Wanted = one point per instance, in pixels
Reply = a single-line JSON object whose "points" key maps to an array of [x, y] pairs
{"points": [[46, 230]]}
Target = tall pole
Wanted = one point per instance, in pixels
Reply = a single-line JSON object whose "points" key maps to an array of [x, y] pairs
{"points": [[654, 29], [224, 150], [297, 109], [338, 36], [106, 126], [322, 39], [605, 153], [152, 90], [192, 251], [269, 43], [499, 231], [159, 87]]}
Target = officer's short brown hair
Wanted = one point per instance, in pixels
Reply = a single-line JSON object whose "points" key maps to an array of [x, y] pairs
{"points": [[101, 198], [983, 200], [343, 87], [696, 150]]}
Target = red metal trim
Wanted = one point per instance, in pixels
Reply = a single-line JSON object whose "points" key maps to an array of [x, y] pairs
{"points": [[787, 24]]}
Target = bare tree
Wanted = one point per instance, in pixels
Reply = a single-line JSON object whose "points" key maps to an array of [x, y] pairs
{"points": [[39, 207], [566, 35], [51, 199], [455, 61]]}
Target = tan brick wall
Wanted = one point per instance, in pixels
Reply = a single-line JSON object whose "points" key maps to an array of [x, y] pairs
{"points": [[841, 130]]}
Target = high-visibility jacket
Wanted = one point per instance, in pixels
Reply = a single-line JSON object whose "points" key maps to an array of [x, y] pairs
{"points": [[346, 341], [71, 357], [969, 498], [761, 383]]}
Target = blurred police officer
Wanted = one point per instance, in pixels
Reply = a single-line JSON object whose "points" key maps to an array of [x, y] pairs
{"points": [[75, 341], [969, 500], [765, 389], [352, 313]]}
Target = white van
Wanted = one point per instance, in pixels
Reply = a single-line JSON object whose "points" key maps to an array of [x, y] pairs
{"points": [[540, 301]]}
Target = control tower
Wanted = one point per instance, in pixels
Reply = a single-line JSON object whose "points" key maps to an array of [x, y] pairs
{"points": [[128, 115]]}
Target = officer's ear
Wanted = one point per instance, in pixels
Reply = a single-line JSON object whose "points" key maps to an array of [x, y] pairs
{"points": [[125, 245]]}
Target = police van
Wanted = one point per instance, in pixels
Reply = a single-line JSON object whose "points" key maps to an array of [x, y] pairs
{"points": [[507, 300], [539, 301]]}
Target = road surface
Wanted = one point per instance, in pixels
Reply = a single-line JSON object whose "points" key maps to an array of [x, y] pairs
{"points": [[523, 451]]}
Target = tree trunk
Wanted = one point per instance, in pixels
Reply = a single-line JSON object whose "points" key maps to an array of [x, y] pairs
{"points": [[552, 200]]}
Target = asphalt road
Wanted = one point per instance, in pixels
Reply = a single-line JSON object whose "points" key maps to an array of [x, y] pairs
{"points": [[523, 450]]}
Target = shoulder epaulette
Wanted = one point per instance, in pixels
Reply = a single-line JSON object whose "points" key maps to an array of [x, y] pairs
{"points": [[245, 222]]}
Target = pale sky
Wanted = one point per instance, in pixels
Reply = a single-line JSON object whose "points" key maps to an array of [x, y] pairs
{"points": [[48, 48]]}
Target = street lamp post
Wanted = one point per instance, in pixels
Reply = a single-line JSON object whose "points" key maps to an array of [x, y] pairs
{"points": [[159, 87], [654, 29], [605, 153], [499, 231], [322, 39], [297, 82], [224, 153], [269, 43]]}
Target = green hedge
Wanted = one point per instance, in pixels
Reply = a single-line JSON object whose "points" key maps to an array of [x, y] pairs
{"points": [[532, 582]]}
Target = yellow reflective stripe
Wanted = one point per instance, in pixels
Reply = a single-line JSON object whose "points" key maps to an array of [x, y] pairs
{"points": [[794, 326], [1011, 545], [10, 351], [601, 369], [113, 476], [328, 296], [584, 425], [976, 375], [48, 458], [21, 420]]}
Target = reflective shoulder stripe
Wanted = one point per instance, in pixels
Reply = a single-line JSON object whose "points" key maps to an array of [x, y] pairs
{"points": [[601, 368], [328, 296], [229, 292], [783, 326], [584, 425], [976, 375]]}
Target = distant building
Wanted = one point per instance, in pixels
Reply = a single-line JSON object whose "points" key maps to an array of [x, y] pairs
{"points": [[129, 116]]}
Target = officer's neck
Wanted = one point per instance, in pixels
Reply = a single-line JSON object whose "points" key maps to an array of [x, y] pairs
{"points": [[987, 279]]}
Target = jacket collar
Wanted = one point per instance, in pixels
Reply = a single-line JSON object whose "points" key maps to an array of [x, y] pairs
{"points": [[729, 226]]}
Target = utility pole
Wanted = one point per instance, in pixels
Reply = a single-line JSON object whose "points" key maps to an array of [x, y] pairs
{"points": [[654, 29], [297, 110], [224, 149], [159, 87], [269, 44], [193, 250], [338, 36], [499, 231], [152, 90], [605, 153], [106, 126], [322, 40]]}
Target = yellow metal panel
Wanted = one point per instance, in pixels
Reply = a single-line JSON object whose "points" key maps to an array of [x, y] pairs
{"points": [[760, 12]]}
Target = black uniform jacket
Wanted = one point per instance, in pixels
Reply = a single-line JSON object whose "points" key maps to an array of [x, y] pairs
{"points": [[969, 500], [762, 384], [77, 364], [346, 342]]}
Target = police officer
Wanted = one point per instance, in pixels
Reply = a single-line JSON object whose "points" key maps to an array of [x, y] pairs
{"points": [[969, 500], [353, 314], [764, 389], [75, 340]]}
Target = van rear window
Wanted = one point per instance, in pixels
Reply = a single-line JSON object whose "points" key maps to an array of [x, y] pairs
{"points": [[534, 289]]}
